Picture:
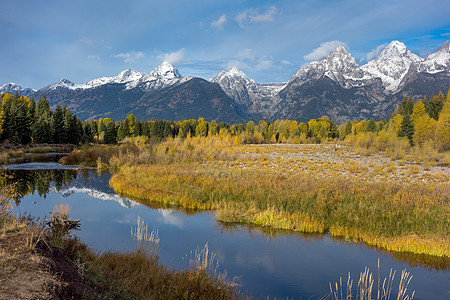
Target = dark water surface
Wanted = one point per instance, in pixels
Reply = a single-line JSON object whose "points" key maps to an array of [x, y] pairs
{"points": [[275, 263]]}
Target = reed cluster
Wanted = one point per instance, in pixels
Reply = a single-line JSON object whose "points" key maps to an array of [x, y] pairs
{"points": [[141, 274], [365, 288], [297, 194]]}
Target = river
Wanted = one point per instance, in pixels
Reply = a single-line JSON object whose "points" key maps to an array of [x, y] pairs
{"points": [[267, 262]]}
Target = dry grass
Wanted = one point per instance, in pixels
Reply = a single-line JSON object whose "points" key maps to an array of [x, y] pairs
{"points": [[365, 287], [309, 188], [140, 272]]}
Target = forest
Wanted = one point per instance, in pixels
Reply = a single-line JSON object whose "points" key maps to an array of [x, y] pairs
{"points": [[421, 124]]}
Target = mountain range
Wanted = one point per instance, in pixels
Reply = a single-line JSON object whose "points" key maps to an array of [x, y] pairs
{"points": [[336, 86]]}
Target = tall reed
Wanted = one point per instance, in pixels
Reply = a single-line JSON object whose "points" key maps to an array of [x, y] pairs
{"points": [[365, 287]]}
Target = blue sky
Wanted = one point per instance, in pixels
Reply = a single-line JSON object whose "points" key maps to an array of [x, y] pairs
{"points": [[44, 41]]}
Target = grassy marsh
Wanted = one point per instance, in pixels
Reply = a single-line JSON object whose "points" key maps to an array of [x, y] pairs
{"points": [[310, 188]]}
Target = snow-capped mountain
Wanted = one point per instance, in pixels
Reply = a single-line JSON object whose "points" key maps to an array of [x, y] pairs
{"points": [[338, 87], [125, 202], [339, 66], [438, 61], [237, 86], [392, 64], [335, 86], [248, 94], [126, 76], [163, 75], [13, 88]]}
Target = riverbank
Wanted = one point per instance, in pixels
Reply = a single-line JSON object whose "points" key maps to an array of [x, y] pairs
{"points": [[394, 205], [37, 264], [19, 152]]}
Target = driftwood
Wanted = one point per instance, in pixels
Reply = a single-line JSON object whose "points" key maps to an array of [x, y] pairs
{"points": [[58, 221]]}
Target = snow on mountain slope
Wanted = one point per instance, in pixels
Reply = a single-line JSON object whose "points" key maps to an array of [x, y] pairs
{"points": [[237, 86], [339, 66], [392, 64], [125, 76], [163, 75], [246, 92], [13, 88], [438, 61], [125, 202]]}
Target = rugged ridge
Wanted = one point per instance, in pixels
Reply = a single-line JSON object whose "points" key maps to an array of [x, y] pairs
{"points": [[247, 94], [335, 86], [13, 88], [392, 64]]}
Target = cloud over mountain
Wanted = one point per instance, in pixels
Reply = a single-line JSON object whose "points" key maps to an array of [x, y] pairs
{"points": [[323, 50]]}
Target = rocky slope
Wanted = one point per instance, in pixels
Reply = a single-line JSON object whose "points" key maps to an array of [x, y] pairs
{"points": [[335, 86], [13, 88]]}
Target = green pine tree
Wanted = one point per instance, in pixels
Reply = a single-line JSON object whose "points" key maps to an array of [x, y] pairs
{"points": [[407, 129]]}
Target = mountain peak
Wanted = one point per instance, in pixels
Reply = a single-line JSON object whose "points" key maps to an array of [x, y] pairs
{"points": [[341, 60], [66, 82], [234, 71], [392, 64], [165, 70], [445, 47], [129, 75], [233, 74], [340, 49], [438, 61], [397, 46], [13, 88]]}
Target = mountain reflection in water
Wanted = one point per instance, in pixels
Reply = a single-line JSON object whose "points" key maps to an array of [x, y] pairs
{"points": [[269, 262]]}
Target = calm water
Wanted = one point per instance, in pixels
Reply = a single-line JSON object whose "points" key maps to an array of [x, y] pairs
{"points": [[277, 264]]}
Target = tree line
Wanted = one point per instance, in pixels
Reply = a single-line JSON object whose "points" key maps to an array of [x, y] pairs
{"points": [[24, 121]]}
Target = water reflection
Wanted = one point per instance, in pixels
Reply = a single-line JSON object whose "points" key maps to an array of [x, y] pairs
{"points": [[269, 262], [43, 178], [39, 181]]}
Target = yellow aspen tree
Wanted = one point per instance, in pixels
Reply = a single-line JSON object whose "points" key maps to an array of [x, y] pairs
{"points": [[442, 134], [418, 110], [424, 128]]}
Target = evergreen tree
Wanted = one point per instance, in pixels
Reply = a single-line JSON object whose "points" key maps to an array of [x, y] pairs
{"points": [[20, 121], [123, 131], [42, 132], [407, 129], [110, 133], [433, 107], [88, 136], [59, 130], [406, 107]]}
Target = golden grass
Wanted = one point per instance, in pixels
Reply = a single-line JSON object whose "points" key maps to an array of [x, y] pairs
{"points": [[365, 287], [308, 188]]}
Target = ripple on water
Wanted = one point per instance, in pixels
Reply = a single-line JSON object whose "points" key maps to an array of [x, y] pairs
{"points": [[41, 166]]}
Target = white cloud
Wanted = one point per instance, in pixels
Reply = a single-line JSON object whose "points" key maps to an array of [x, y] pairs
{"points": [[241, 18], [445, 34], [323, 50], [130, 57], [173, 57], [219, 23], [94, 57], [263, 64], [246, 54], [287, 63], [267, 17], [374, 53], [253, 16], [236, 63]]}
